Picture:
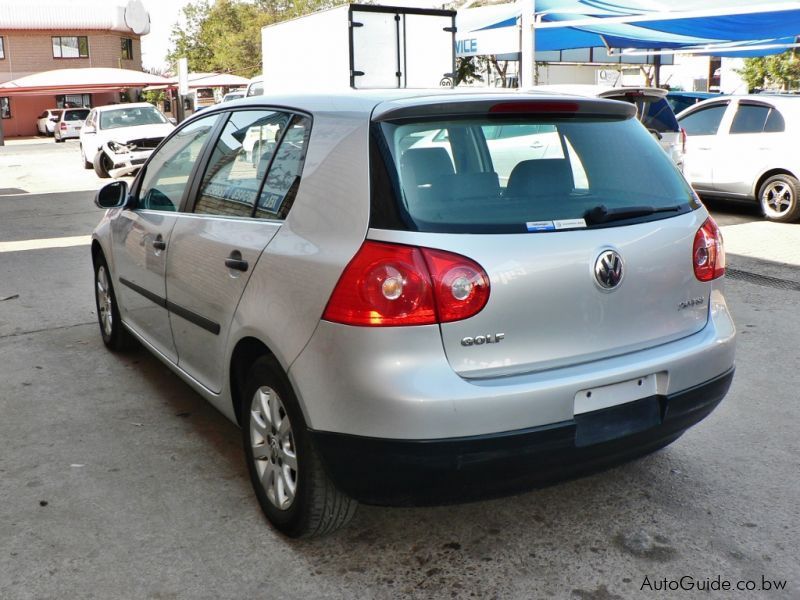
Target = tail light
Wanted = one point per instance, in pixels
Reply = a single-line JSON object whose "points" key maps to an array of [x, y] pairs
{"points": [[683, 140], [708, 254], [63, 126], [388, 285]]}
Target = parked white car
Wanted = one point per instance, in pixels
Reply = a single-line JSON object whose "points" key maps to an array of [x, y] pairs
{"points": [[745, 147], [69, 123], [652, 109], [117, 139], [46, 122]]}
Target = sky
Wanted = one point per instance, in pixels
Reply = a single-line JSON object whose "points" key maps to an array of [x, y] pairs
{"points": [[163, 15]]}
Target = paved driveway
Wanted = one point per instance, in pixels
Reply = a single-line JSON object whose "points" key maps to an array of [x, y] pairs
{"points": [[117, 481]]}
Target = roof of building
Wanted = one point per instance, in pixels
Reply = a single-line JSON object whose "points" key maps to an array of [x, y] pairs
{"points": [[89, 79], [128, 16]]}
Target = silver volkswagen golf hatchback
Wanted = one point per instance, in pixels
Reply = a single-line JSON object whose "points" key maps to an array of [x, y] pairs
{"points": [[413, 297]]}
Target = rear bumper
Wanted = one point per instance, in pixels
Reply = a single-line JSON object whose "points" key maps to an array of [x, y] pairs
{"points": [[420, 472]]}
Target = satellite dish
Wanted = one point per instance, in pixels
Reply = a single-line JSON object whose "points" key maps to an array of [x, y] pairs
{"points": [[137, 17]]}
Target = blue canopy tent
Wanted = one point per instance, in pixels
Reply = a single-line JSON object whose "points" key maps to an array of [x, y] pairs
{"points": [[749, 28]]}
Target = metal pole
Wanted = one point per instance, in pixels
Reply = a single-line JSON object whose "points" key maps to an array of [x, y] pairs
{"points": [[657, 69], [527, 63]]}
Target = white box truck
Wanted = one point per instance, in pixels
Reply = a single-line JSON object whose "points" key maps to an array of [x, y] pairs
{"points": [[360, 46]]}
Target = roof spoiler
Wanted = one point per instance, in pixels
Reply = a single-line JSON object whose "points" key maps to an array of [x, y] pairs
{"points": [[501, 107]]}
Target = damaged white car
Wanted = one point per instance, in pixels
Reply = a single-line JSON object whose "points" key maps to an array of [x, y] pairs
{"points": [[115, 140]]}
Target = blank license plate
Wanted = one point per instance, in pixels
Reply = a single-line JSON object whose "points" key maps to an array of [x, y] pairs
{"points": [[598, 398]]}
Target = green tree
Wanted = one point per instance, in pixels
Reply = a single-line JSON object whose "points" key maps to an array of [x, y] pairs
{"points": [[468, 69], [778, 70], [225, 35]]}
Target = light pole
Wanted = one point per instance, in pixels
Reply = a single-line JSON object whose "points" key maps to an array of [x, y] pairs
{"points": [[527, 40]]}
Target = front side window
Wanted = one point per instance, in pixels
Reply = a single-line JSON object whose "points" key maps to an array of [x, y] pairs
{"points": [[704, 121], [127, 48], [283, 178], [5, 107], [70, 46], [240, 159], [167, 172], [507, 176]]}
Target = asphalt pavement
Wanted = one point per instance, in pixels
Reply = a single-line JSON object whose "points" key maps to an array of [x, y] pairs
{"points": [[118, 481]]}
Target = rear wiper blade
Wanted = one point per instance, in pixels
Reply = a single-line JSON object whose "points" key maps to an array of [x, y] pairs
{"points": [[603, 214]]}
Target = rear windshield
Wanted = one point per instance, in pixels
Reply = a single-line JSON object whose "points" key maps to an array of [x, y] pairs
{"points": [[76, 115], [483, 175]]}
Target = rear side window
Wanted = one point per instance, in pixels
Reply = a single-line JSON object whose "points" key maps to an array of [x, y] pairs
{"points": [[704, 121], [775, 122], [475, 181]]}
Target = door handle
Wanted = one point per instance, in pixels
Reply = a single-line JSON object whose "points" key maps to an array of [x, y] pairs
{"points": [[159, 243], [235, 261]]}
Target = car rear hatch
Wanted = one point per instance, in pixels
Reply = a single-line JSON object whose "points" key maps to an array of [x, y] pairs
{"points": [[589, 252]]}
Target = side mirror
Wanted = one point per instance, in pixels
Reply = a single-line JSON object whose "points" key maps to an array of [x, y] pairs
{"points": [[112, 195], [87, 129], [173, 120]]}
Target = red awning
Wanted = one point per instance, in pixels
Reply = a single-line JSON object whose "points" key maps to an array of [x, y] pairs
{"points": [[79, 81]]}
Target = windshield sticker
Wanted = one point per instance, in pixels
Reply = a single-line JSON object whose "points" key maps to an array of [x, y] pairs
{"points": [[534, 226], [570, 224]]}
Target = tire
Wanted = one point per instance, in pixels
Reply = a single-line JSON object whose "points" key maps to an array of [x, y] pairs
{"points": [[58, 139], [113, 332], [779, 200], [86, 163], [102, 164], [300, 501]]}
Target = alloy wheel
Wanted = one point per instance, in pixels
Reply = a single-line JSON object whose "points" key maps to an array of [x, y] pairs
{"points": [[104, 301], [273, 448], [777, 199]]}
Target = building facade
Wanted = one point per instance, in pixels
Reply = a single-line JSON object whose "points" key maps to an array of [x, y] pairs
{"points": [[44, 35]]}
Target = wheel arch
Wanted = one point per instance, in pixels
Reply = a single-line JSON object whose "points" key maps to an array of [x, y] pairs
{"points": [[766, 175], [246, 352]]}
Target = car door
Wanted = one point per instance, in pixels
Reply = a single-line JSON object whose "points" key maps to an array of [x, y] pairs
{"points": [[746, 148], [140, 235], [236, 211], [702, 126]]}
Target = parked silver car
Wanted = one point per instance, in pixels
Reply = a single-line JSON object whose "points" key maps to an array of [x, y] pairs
{"points": [[391, 325], [69, 123], [745, 147]]}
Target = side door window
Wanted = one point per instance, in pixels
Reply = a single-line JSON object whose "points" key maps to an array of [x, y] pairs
{"points": [[705, 121], [240, 159], [168, 170], [285, 168], [750, 118]]}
